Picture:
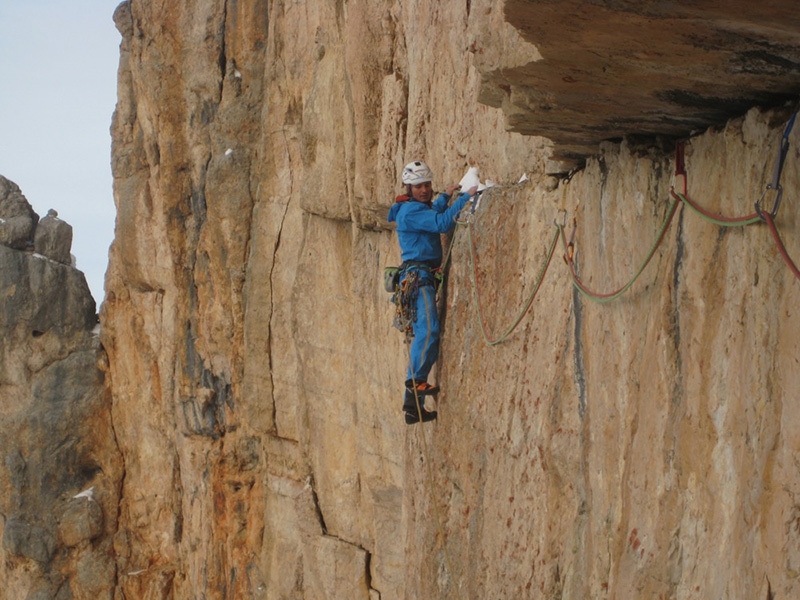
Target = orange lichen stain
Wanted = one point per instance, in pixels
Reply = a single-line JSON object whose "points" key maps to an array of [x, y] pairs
{"points": [[634, 541]]}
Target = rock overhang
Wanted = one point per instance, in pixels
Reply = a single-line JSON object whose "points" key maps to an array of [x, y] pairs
{"points": [[619, 68]]}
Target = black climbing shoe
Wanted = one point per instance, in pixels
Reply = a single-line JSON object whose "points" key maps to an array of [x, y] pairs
{"points": [[412, 416], [410, 409]]}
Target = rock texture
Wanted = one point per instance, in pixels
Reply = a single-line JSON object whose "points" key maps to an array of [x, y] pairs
{"points": [[53, 238], [56, 436], [641, 448], [634, 449], [617, 68], [17, 218]]}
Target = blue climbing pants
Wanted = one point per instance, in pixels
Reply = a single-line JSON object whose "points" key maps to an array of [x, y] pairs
{"points": [[425, 345]]}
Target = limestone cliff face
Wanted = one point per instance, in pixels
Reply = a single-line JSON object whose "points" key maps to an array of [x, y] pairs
{"points": [[636, 449], [56, 434]]}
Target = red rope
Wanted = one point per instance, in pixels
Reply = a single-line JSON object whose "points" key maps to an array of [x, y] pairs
{"points": [[781, 248]]}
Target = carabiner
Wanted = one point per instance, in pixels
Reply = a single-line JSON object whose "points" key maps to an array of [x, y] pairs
{"points": [[475, 201], [776, 204], [571, 245], [775, 184]]}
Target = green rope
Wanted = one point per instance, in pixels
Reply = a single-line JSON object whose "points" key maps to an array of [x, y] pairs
{"points": [[595, 296], [717, 219], [528, 302], [601, 297]]}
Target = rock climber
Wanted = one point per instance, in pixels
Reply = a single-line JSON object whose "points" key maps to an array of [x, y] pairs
{"points": [[420, 221]]}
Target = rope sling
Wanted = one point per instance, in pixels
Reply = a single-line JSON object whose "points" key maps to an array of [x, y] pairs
{"points": [[678, 199]]}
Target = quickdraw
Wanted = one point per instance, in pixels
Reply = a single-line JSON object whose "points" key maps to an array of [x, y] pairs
{"points": [[775, 184], [405, 302], [406, 293]]}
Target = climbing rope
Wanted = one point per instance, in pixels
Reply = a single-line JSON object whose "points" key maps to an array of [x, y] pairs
{"points": [[609, 296], [527, 304], [405, 298], [769, 216], [678, 199], [781, 247], [720, 220], [426, 458]]}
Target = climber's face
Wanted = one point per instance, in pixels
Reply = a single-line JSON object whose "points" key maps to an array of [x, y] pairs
{"points": [[422, 192]]}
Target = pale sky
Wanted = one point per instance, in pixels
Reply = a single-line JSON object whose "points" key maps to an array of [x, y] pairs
{"points": [[58, 78]]}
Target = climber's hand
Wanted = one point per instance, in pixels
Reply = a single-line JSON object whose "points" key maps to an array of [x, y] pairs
{"points": [[452, 188], [471, 191]]}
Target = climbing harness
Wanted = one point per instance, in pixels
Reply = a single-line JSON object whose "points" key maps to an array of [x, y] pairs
{"points": [[408, 280], [405, 301]]}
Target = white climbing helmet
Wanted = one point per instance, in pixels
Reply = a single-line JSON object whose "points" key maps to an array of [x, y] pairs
{"points": [[416, 172]]}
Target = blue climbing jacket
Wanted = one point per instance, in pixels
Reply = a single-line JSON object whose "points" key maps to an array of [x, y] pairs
{"points": [[419, 226]]}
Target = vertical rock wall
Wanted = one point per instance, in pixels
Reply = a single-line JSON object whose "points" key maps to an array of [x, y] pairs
{"points": [[634, 448], [61, 469], [602, 451]]}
